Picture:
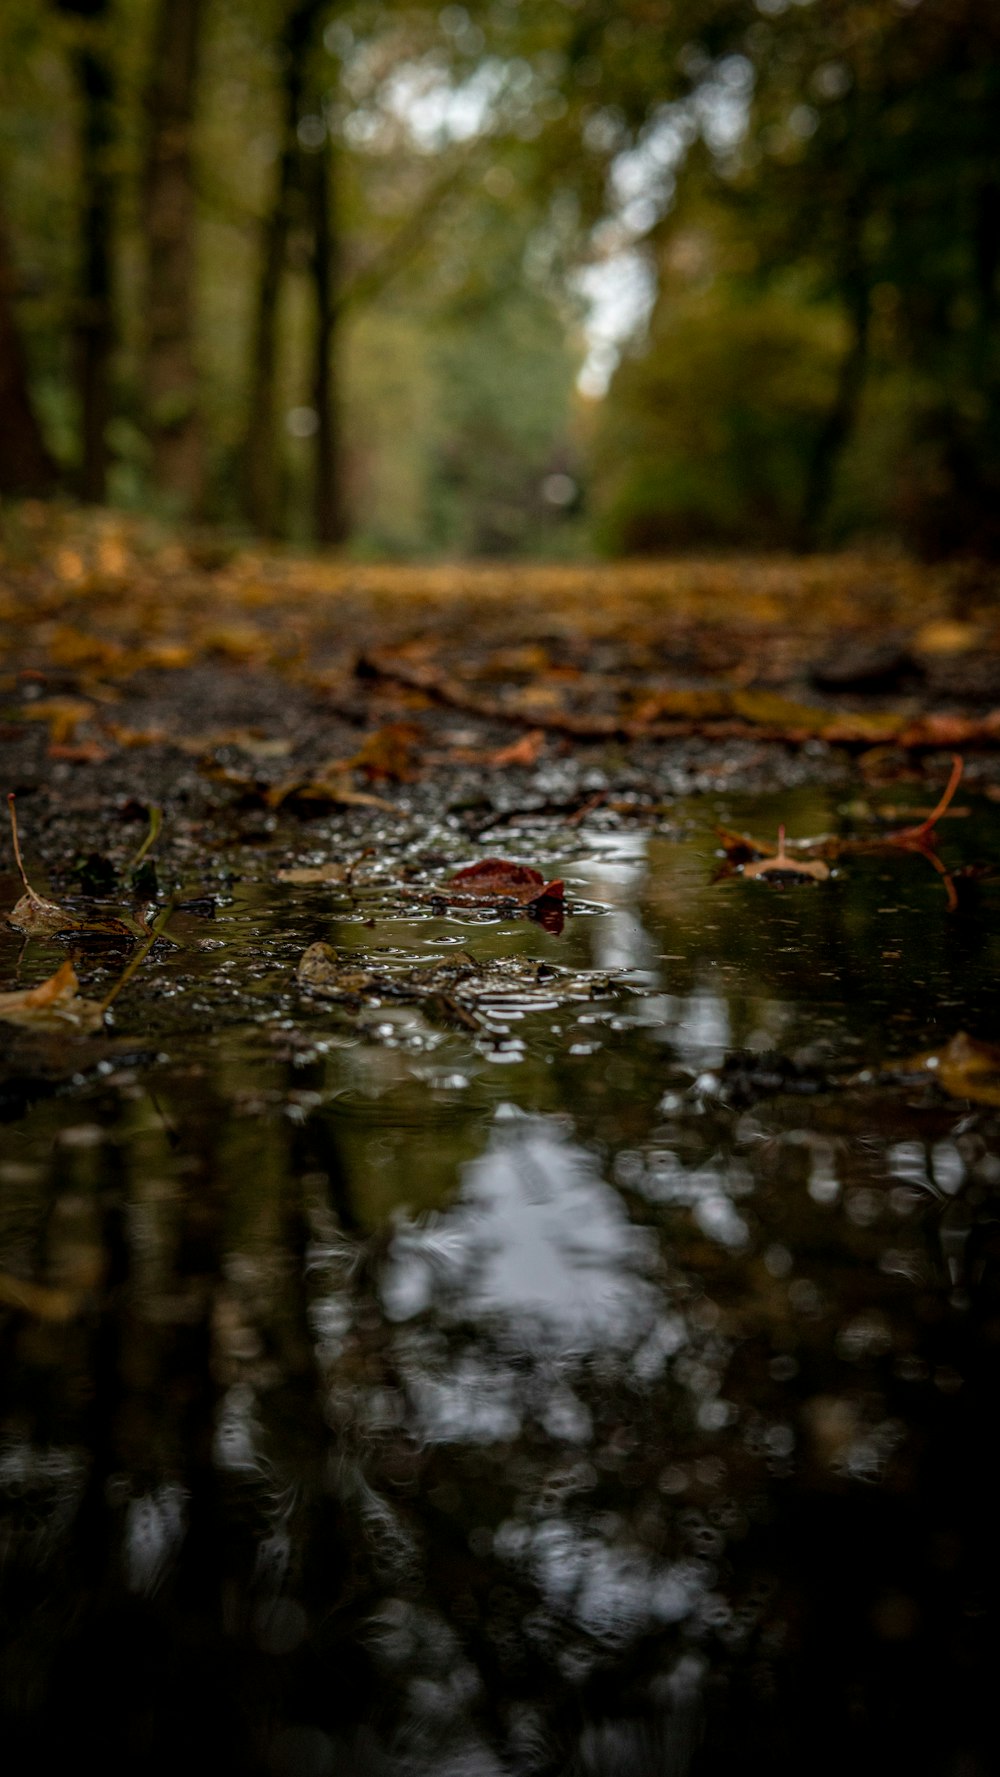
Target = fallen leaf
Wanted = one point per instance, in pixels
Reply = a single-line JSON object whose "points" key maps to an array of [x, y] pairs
{"points": [[497, 878], [330, 784], [41, 918], [525, 751], [389, 753], [81, 752], [782, 865], [54, 1004], [63, 715], [321, 970], [740, 847], [964, 1068], [314, 873], [946, 635], [766, 709]]}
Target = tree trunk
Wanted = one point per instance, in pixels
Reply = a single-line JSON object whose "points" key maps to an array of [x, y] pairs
{"points": [[329, 513], [25, 464], [170, 378], [834, 433], [95, 331], [260, 449], [836, 428]]}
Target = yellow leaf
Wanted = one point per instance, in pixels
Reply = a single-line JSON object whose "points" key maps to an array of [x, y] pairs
{"points": [[964, 1068], [54, 1004]]}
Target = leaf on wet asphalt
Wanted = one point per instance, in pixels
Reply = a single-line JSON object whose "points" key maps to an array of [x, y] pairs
{"points": [[330, 784], [38, 917], [390, 753], [525, 751], [964, 1068], [54, 1005], [63, 715], [782, 865], [498, 879]]}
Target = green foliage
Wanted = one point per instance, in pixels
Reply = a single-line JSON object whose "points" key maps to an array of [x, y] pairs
{"points": [[824, 361], [706, 438]]}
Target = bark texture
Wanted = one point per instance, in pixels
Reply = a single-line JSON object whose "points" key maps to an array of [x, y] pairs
{"points": [[170, 372]]}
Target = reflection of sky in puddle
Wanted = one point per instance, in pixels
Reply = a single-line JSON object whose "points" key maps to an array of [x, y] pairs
{"points": [[538, 1240]]}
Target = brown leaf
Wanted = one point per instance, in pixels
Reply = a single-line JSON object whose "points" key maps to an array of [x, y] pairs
{"points": [[330, 784], [740, 847], [964, 1068], [54, 1004], [525, 751], [63, 715], [41, 918], [321, 970], [389, 753], [499, 879], [314, 873], [782, 865]]}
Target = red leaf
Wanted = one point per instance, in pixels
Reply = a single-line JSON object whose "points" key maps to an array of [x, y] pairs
{"points": [[494, 878]]}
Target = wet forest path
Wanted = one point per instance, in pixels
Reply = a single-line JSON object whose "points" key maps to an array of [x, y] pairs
{"points": [[498, 1249]]}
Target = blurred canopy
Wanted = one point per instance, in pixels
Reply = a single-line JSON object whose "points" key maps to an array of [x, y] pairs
{"points": [[507, 277]]}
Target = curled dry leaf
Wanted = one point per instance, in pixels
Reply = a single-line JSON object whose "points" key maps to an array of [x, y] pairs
{"points": [[495, 879], [41, 918], [54, 1005], [782, 865]]}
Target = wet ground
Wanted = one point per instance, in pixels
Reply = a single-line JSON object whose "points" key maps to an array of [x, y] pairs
{"points": [[534, 1338]]}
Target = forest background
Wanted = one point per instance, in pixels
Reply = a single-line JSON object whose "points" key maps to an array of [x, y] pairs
{"points": [[503, 278]]}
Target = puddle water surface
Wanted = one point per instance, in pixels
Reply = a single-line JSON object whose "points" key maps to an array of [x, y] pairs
{"points": [[539, 1391]]}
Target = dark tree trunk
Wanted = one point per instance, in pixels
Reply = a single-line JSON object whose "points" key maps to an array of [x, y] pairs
{"points": [[25, 464], [328, 502], [170, 381], [837, 426], [260, 450], [95, 331]]}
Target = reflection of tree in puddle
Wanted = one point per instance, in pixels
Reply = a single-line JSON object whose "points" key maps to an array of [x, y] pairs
{"points": [[615, 1424]]}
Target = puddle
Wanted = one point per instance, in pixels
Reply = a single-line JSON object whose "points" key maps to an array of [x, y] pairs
{"points": [[518, 1395]]}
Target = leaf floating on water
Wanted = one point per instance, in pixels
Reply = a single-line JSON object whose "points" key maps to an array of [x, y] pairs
{"points": [[498, 879], [964, 1068], [782, 865], [740, 848], [54, 1005], [322, 971], [307, 874]]}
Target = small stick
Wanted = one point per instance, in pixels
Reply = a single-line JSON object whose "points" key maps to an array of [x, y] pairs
{"points": [[155, 814], [159, 927]]}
